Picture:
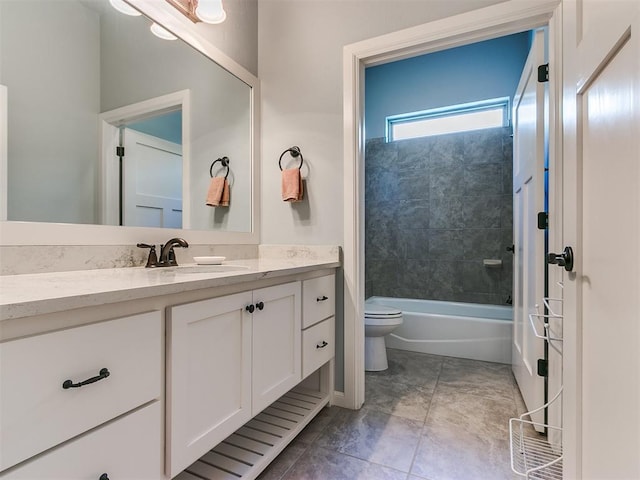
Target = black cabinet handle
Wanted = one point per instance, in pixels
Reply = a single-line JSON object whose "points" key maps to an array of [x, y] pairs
{"points": [[322, 298], [104, 373], [322, 344], [250, 308], [104, 476], [259, 305]]}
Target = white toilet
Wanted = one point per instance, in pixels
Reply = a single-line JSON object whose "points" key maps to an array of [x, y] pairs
{"points": [[379, 320]]}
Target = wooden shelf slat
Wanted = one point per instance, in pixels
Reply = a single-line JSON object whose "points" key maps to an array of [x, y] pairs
{"points": [[248, 444]]}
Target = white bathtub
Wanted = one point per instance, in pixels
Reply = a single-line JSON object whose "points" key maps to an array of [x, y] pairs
{"points": [[464, 330]]}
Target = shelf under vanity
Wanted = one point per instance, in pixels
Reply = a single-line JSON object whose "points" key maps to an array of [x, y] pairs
{"points": [[248, 451]]}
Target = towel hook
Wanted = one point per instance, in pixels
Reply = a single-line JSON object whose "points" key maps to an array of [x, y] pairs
{"points": [[225, 163], [295, 152]]}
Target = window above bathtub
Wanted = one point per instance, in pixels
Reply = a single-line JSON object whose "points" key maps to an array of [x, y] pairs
{"points": [[450, 119]]}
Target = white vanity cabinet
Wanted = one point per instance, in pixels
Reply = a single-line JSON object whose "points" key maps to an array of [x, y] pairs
{"points": [[207, 379], [227, 359], [77, 386], [291, 379]]}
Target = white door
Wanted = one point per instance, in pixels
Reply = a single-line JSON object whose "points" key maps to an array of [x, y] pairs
{"points": [[601, 222], [528, 200], [152, 181]]}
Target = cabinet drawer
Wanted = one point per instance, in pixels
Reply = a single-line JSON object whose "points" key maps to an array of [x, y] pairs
{"points": [[318, 299], [318, 345], [128, 448], [37, 413]]}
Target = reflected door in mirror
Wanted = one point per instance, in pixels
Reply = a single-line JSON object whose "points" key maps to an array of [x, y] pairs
{"points": [[152, 181]]}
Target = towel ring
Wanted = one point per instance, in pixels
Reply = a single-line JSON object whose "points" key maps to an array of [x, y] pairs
{"points": [[295, 152], [225, 163]]}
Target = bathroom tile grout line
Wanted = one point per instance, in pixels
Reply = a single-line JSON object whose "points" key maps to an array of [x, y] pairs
{"points": [[426, 417], [293, 464]]}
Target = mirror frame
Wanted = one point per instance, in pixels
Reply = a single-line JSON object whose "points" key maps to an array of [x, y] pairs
{"points": [[42, 233]]}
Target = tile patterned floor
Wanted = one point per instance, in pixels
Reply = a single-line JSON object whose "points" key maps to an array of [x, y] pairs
{"points": [[425, 418]]}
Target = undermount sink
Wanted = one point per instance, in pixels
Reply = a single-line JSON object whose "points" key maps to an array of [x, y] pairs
{"points": [[207, 268]]}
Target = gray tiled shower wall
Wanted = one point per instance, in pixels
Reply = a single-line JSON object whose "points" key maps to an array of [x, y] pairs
{"points": [[435, 208]]}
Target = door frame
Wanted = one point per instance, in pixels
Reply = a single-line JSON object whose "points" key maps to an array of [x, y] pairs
{"points": [[498, 20], [108, 178]]}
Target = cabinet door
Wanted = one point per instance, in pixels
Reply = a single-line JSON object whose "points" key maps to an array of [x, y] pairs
{"points": [[208, 376], [276, 343]]}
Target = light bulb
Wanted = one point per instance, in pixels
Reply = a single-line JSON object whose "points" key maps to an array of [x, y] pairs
{"points": [[211, 11], [162, 33], [124, 7]]}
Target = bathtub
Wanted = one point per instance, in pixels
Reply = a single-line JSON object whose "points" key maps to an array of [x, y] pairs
{"points": [[464, 330]]}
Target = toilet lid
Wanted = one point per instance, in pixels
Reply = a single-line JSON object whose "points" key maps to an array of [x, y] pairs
{"points": [[373, 310]]}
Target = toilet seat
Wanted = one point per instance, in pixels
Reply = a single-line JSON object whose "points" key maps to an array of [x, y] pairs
{"points": [[376, 310], [375, 314]]}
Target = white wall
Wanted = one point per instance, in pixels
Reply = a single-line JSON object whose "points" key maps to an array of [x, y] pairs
{"points": [[300, 68]]}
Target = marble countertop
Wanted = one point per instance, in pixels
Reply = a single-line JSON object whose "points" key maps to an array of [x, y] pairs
{"points": [[41, 293]]}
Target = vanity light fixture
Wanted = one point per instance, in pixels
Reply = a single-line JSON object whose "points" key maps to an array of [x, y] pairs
{"points": [[208, 11], [123, 7], [161, 32]]}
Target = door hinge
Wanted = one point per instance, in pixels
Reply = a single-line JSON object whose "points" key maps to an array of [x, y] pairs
{"points": [[543, 368], [543, 73], [120, 151], [543, 220]]}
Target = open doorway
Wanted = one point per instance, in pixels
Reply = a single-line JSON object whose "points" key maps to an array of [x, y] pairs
{"points": [[442, 184], [479, 25], [464, 29]]}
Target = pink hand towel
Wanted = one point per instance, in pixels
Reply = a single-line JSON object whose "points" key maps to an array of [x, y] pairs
{"points": [[218, 193], [292, 185]]}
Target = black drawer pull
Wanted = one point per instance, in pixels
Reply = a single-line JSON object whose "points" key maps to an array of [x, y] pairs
{"points": [[322, 298], [250, 308], [104, 373], [322, 344], [104, 476], [259, 305]]}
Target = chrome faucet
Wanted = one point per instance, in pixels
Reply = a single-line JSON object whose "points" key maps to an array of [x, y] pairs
{"points": [[167, 255]]}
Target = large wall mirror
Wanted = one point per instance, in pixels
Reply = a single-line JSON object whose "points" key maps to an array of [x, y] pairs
{"points": [[83, 79]]}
